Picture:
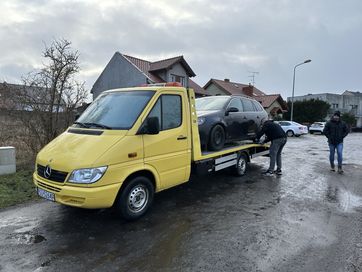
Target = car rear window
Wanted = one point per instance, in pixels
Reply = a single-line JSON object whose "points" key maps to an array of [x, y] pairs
{"points": [[247, 105], [258, 106]]}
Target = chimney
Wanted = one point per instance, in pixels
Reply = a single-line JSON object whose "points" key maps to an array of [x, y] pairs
{"points": [[248, 90], [227, 80]]}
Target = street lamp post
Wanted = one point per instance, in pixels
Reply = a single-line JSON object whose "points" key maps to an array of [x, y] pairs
{"points": [[291, 111]]}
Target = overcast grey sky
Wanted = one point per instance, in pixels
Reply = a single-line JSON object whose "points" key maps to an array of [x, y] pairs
{"points": [[219, 39]]}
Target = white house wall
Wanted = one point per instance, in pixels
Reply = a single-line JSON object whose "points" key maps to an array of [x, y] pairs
{"points": [[344, 103], [213, 89], [178, 70], [119, 73]]}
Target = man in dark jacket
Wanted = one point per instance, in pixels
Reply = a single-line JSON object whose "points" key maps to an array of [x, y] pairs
{"points": [[335, 130], [278, 138]]}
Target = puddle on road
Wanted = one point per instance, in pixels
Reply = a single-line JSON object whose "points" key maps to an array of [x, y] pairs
{"points": [[22, 224], [165, 251], [347, 201], [26, 239]]}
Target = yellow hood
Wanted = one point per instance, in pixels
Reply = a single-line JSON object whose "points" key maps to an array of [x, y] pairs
{"points": [[73, 151]]}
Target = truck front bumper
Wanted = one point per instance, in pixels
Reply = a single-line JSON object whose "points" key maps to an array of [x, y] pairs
{"points": [[82, 197]]}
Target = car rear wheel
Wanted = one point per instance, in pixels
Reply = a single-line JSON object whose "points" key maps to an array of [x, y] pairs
{"points": [[290, 133], [135, 198], [217, 138]]}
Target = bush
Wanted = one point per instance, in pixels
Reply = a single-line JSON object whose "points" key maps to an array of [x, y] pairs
{"points": [[16, 188]]}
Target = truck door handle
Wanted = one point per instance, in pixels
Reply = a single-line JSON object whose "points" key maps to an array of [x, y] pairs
{"points": [[181, 137]]}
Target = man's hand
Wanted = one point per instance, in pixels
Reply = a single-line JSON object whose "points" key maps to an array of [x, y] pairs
{"points": [[259, 141]]}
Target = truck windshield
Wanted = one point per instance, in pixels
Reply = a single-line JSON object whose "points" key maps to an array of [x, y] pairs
{"points": [[211, 103], [115, 110]]}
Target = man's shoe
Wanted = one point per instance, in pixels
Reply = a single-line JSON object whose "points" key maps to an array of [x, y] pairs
{"points": [[332, 169], [340, 170], [268, 173], [278, 172]]}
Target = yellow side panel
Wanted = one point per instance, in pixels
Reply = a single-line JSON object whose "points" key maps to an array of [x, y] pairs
{"points": [[129, 149]]}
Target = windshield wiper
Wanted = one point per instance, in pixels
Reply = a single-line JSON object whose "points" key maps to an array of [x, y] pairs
{"points": [[81, 124], [97, 125]]}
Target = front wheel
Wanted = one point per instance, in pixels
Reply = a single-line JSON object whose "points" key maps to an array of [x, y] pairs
{"points": [[135, 198], [217, 138], [290, 133]]}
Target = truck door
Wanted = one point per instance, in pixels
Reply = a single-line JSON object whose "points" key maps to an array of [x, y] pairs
{"points": [[168, 152]]}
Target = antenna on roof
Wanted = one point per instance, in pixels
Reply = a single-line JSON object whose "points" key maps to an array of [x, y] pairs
{"points": [[252, 76]]}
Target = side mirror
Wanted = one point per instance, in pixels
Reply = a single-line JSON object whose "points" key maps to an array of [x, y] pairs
{"points": [[150, 126], [231, 109]]}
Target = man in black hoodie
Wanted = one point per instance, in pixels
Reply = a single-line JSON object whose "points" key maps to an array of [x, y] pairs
{"points": [[335, 130], [278, 138]]}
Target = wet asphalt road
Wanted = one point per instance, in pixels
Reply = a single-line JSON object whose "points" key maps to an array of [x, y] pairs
{"points": [[309, 219]]}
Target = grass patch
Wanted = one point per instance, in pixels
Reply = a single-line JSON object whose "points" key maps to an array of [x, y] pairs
{"points": [[16, 188]]}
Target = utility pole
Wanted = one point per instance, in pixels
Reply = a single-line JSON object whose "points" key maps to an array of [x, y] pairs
{"points": [[304, 62], [252, 76]]}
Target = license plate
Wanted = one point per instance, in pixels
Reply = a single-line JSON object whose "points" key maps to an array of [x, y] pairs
{"points": [[45, 194]]}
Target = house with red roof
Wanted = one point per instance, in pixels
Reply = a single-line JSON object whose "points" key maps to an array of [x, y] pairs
{"points": [[274, 104], [128, 71]]}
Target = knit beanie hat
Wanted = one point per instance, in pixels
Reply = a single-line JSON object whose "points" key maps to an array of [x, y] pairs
{"points": [[337, 113]]}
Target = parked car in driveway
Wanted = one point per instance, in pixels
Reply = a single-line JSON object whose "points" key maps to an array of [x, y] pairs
{"points": [[292, 128], [317, 127], [224, 119]]}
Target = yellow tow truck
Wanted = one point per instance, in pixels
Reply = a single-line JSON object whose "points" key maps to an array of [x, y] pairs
{"points": [[150, 143]]}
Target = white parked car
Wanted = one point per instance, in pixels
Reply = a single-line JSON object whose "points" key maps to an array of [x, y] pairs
{"points": [[293, 128], [317, 127]]}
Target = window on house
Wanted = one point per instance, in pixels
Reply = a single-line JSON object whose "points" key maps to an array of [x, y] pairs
{"points": [[334, 106], [176, 78], [354, 107], [168, 110]]}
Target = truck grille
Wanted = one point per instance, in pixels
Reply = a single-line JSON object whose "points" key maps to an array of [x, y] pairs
{"points": [[49, 187], [55, 175]]}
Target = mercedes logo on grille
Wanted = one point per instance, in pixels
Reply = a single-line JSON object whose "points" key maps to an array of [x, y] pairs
{"points": [[47, 171]]}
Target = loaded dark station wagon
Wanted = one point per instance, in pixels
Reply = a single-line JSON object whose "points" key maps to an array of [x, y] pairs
{"points": [[224, 119]]}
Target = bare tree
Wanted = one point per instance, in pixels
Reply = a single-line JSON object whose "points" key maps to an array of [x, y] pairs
{"points": [[46, 102]]}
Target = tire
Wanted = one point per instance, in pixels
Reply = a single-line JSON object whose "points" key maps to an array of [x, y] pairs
{"points": [[311, 132], [136, 198], [217, 138], [290, 133], [241, 165]]}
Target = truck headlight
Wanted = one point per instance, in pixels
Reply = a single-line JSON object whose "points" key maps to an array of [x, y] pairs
{"points": [[201, 120], [87, 175]]}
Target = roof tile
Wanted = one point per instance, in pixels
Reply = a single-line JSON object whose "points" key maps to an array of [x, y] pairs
{"points": [[233, 87], [148, 67]]}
